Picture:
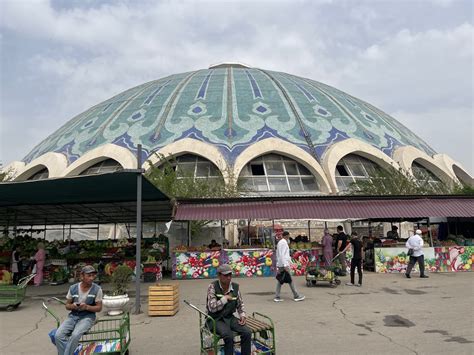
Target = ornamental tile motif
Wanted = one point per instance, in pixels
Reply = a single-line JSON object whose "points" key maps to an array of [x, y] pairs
{"points": [[230, 108]]}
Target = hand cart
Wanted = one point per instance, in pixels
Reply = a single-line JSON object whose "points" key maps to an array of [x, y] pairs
{"points": [[109, 335], [263, 334], [11, 296], [315, 274]]}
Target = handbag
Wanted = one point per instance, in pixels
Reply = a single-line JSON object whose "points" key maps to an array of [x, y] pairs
{"points": [[283, 277], [410, 252]]}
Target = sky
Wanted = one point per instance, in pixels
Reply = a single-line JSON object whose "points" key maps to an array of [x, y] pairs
{"points": [[412, 59]]}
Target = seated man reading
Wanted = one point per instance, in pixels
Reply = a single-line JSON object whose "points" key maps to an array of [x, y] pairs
{"points": [[223, 299], [84, 300]]}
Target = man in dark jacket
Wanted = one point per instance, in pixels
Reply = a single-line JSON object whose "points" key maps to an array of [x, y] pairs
{"points": [[84, 300], [223, 299], [341, 243]]}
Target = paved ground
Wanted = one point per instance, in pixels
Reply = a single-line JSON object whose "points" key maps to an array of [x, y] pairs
{"points": [[389, 314]]}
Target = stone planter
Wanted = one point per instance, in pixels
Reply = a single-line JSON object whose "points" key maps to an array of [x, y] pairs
{"points": [[115, 304]]}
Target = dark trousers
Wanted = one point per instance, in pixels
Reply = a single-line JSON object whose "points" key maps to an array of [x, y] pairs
{"points": [[226, 328], [356, 263], [421, 263], [16, 278]]}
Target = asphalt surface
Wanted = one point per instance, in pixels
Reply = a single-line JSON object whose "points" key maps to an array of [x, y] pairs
{"points": [[388, 314]]}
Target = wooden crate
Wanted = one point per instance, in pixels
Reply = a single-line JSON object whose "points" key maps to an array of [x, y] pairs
{"points": [[163, 300]]}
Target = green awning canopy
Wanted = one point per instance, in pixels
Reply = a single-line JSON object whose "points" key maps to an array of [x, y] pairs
{"points": [[104, 198]]}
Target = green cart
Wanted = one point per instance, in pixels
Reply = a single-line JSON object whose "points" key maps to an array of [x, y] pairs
{"points": [[263, 334], [11, 296], [109, 335]]}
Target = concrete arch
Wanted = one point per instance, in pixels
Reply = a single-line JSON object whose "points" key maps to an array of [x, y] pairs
{"points": [[107, 151], [455, 168], [405, 156], [353, 146], [195, 147], [54, 162], [279, 146]]}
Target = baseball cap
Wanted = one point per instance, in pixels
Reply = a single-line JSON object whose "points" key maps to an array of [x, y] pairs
{"points": [[418, 232], [88, 269], [224, 269]]}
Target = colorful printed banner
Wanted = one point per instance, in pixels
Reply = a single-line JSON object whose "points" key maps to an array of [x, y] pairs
{"points": [[196, 265], [251, 263], [439, 259]]}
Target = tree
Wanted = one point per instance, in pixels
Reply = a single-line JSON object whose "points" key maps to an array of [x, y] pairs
{"points": [[399, 182], [176, 183]]}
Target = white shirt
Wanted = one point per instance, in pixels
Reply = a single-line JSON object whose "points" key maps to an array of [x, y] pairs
{"points": [[283, 253], [415, 242]]}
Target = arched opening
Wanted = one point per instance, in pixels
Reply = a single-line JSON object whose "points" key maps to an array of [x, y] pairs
{"points": [[40, 175], [423, 175], [276, 174], [195, 167], [102, 167], [462, 176], [352, 168]]}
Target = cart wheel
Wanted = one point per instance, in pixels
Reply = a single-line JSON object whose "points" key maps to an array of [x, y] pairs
{"points": [[314, 282], [16, 305], [10, 308], [308, 283], [338, 282], [333, 284]]}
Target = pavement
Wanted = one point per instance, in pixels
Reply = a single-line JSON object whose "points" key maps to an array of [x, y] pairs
{"points": [[388, 314]]}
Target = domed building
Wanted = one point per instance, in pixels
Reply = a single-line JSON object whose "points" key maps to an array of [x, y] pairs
{"points": [[279, 133]]}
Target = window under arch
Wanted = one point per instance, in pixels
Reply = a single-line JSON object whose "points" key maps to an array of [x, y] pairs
{"points": [[351, 168], [274, 173], [40, 175], [423, 175], [104, 166], [189, 165]]}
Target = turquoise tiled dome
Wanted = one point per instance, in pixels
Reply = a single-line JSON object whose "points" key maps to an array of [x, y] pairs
{"points": [[230, 107]]}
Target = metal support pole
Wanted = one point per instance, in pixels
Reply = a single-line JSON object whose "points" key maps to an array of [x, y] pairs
{"points": [[309, 230], [138, 258], [189, 233]]}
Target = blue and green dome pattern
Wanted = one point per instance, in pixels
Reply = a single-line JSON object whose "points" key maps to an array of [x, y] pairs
{"points": [[231, 108]]}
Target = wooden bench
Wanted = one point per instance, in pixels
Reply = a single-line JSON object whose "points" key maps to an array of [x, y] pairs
{"points": [[261, 326]]}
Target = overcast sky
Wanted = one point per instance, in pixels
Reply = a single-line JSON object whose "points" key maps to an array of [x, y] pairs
{"points": [[412, 59]]}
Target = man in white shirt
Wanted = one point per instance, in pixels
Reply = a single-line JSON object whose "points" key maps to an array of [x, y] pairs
{"points": [[415, 242], [283, 264]]}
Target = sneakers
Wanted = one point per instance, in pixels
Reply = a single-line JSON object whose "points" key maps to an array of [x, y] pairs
{"points": [[349, 284], [424, 276], [299, 298], [358, 285], [408, 276], [277, 299]]}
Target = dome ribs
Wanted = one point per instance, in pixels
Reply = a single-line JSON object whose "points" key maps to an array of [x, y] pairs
{"points": [[169, 105], [116, 113], [229, 132], [303, 130]]}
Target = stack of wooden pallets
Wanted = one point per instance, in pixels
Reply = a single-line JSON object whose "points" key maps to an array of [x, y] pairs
{"points": [[163, 300]]}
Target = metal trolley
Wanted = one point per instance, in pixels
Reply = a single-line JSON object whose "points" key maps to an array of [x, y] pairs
{"points": [[263, 334], [110, 335], [315, 274], [11, 296]]}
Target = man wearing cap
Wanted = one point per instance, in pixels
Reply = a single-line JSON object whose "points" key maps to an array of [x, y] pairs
{"points": [[283, 264], [84, 300], [223, 299], [415, 242]]}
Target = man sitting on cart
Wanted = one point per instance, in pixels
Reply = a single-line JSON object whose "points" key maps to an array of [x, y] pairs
{"points": [[223, 299], [84, 300]]}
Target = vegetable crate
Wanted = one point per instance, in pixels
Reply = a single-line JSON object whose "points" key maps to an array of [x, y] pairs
{"points": [[163, 300]]}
